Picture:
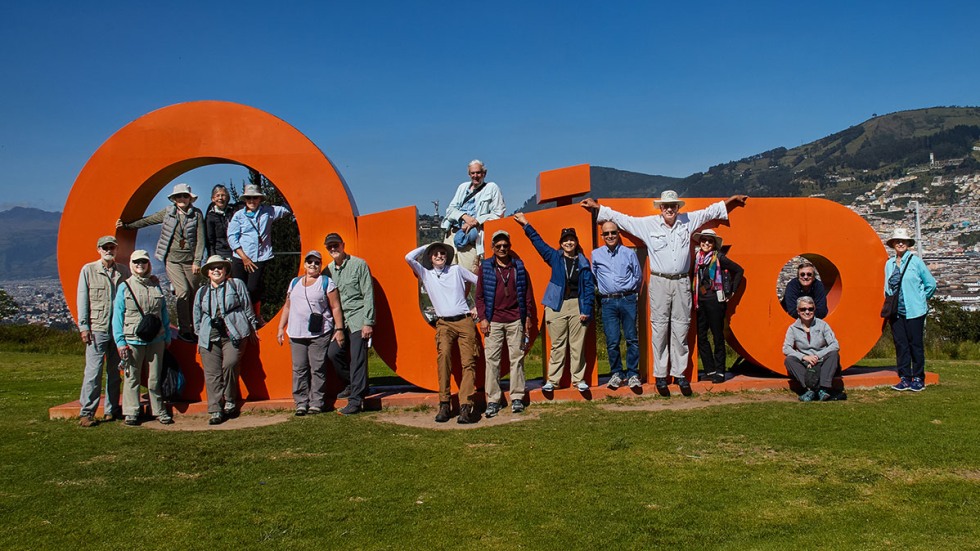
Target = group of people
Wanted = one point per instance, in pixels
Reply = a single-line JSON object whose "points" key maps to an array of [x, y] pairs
{"points": [[124, 320], [329, 310]]}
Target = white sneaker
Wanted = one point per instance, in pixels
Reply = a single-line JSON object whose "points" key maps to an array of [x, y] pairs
{"points": [[582, 386], [548, 387], [615, 381], [634, 382]]}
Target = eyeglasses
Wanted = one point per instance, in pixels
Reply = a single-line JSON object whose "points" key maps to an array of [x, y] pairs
{"points": [[806, 274], [502, 246], [610, 233], [141, 261], [804, 309]]}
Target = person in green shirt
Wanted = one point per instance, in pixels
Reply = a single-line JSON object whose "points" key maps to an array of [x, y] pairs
{"points": [[353, 278]]}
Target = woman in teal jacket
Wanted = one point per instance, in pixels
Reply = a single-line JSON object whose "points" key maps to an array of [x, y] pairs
{"points": [[569, 301], [907, 275]]}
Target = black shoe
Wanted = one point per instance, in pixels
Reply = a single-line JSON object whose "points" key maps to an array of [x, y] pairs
{"points": [[344, 393], [718, 377], [467, 415], [662, 388], [685, 385], [216, 419], [444, 412]]}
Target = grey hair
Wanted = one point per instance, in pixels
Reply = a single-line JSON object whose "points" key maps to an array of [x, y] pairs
{"points": [[805, 300], [805, 264], [477, 162]]}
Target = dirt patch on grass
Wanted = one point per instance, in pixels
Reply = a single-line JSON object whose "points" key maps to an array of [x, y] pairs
{"points": [[426, 419], [697, 402], [200, 422]]}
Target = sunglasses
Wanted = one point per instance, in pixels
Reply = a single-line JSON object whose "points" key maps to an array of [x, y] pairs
{"points": [[313, 262], [805, 309], [502, 246], [610, 233], [182, 196], [217, 268], [331, 246], [141, 261], [108, 247], [806, 274], [438, 253]]}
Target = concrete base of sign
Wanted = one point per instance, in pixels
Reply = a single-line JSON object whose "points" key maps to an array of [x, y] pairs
{"points": [[410, 396]]}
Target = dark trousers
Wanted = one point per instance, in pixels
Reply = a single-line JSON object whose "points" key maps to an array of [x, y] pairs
{"points": [[827, 368], [253, 280], [711, 316], [350, 363], [619, 319], [910, 354]]}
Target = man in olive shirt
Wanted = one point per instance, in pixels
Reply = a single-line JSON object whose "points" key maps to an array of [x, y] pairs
{"points": [[96, 290], [352, 277]]}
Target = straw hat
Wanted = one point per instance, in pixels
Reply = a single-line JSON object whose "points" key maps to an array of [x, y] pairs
{"points": [[668, 197], [708, 233], [216, 259]]}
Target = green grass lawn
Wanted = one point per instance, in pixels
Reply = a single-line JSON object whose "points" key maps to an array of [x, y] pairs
{"points": [[882, 470]]}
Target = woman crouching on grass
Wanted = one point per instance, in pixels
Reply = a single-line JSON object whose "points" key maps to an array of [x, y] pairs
{"points": [[812, 354], [313, 317], [138, 300], [225, 322]]}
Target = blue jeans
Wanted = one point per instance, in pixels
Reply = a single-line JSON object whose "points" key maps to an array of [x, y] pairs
{"points": [[101, 348], [619, 318]]}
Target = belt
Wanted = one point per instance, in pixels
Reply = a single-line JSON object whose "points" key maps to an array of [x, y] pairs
{"points": [[618, 295], [454, 318], [669, 276]]}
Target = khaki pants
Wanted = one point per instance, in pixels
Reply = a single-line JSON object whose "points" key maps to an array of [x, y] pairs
{"points": [[510, 335], [467, 257], [670, 316], [566, 330], [185, 284], [463, 334], [221, 373], [152, 355]]}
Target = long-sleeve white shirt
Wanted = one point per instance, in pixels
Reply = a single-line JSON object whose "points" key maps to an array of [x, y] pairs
{"points": [[668, 247], [446, 287]]}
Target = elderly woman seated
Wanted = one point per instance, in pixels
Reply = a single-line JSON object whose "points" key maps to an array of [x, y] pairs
{"points": [[812, 354]]}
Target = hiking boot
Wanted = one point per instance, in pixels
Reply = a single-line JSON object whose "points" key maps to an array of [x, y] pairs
{"points": [[685, 385], [548, 387], [824, 396], [662, 387], [344, 394], [165, 419], [314, 410], [444, 412], [903, 384], [492, 410], [808, 396], [635, 383], [517, 407], [230, 412], [216, 418], [349, 409], [917, 385], [615, 381], [87, 421], [132, 421], [110, 417], [718, 377], [300, 412], [466, 415], [582, 386]]}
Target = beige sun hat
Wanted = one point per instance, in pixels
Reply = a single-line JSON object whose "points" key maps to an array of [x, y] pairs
{"points": [[182, 188], [139, 254], [216, 259], [708, 233], [252, 190], [669, 196], [900, 234]]}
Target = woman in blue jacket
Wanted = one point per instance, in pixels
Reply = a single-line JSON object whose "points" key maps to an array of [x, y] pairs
{"points": [[569, 300], [907, 275]]}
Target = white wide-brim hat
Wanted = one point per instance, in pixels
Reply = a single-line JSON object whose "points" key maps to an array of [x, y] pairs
{"points": [[182, 188], [900, 234], [708, 233], [669, 196]]}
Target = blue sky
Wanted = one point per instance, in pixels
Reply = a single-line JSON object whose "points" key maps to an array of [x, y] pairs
{"points": [[400, 95]]}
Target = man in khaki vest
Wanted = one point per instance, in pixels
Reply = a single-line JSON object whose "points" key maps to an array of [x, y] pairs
{"points": [[96, 290]]}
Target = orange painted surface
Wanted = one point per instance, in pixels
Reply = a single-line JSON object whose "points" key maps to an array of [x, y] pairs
{"points": [[127, 171]]}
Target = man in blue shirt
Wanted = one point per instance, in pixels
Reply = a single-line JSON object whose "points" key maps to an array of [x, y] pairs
{"points": [[618, 275]]}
